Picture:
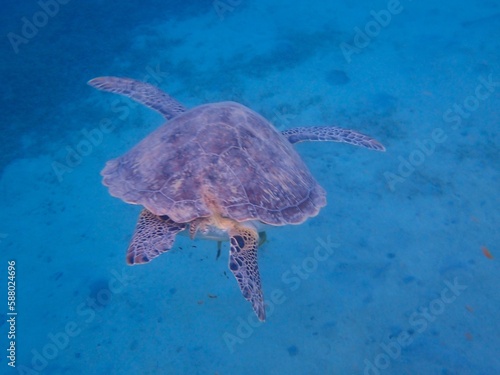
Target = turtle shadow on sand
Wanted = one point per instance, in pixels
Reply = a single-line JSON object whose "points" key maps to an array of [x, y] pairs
{"points": [[218, 171]]}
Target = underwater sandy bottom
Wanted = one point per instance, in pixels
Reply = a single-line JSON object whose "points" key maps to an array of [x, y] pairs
{"points": [[397, 275]]}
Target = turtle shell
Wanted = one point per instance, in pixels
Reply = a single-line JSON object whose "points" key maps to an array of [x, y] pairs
{"points": [[217, 159]]}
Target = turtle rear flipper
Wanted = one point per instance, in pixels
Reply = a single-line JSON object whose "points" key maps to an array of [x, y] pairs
{"points": [[243, 264], [153, 236]]}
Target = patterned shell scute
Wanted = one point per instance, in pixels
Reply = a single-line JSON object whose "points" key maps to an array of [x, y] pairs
{"points": [[219, 158]]}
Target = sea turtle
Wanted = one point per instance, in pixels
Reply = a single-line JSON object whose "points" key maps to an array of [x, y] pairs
{"points": [[219, 170]]}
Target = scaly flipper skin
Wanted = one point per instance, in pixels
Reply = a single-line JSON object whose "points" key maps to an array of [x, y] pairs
{"points": [[197, 225], [144, 93], [243, 264], [153, 236], [332, 133]]}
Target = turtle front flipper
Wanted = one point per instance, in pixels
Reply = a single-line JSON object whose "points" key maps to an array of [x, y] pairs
{"points": [[243, 264], [333, 134], [142, 92], [153, 236]]}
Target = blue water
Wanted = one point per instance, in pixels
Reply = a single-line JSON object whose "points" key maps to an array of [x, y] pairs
{"points": [[398, 274]]}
